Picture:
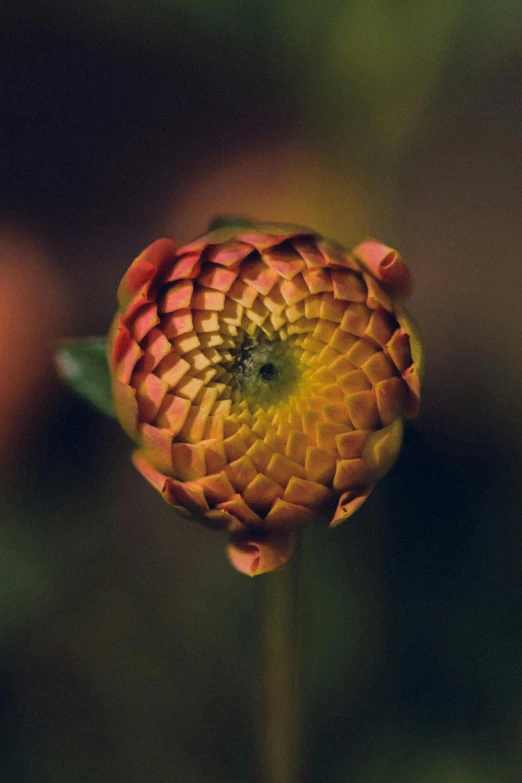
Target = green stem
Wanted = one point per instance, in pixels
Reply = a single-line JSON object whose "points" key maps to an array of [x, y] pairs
{"points": [[278, 676]]}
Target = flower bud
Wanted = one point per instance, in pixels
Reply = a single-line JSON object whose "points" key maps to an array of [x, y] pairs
{"points": [[264, 373]]}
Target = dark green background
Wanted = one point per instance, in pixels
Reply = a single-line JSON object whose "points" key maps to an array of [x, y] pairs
{"points": [[127, 643]]}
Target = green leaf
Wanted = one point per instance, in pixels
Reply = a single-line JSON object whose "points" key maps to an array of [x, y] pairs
{"points": [[229, 221], [82, 365]]}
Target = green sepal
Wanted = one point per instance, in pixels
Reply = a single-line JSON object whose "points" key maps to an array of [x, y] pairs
{"points": [[229, 221], [82, 365]]}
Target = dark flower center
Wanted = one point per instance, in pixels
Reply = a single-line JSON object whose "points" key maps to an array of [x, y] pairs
{"points": [[266, 371]]}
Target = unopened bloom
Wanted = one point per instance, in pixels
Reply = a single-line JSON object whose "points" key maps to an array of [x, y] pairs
{"points": [[264, 373]]}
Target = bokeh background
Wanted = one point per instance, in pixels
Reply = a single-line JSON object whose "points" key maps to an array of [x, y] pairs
{"points": [[127, 643]]}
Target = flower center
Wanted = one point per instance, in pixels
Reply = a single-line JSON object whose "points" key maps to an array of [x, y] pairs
{"points": [[266, 371]]}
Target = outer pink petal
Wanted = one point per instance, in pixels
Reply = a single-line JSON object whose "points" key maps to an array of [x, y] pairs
{"points": [[386, 265], [416, 343], [123, 352], [217, 237], [349, 502], [189, 495], [187, 498], [156, 446], [186, 267], [255, 555], [145, 319], [336, 255], [229, 254], [154, 476], [264, 236], [133, 290]]}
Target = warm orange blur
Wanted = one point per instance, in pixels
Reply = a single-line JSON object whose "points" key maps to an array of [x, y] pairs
{"points": [[281, 180], [33, 314]]}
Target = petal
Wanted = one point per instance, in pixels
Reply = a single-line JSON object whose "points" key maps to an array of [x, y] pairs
{"points": [[335, 255], [284, 261], [218, 277], [307, 493], [383, 446], [173, 413], [377, 296], [188, 461], [145, 319], [156, 447], [386, 265], [309, 252], [218, 237], [125, 406], [155, 347], [135, 285], [241, 510], [255, 555], [289, 515], [176, 296], [349, 503], [217, 520], [351, 473], [261, 493], [124, 353], [150, 393], [154, 476], [217, 489], [257, 274], [229, 254], [416, 343], [187, 266], [189, 495], [265, 236], [412, 378], [392, 397]]}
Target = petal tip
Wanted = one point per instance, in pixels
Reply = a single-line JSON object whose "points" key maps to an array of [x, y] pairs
{"points": [[254, 556], [386, 265]]}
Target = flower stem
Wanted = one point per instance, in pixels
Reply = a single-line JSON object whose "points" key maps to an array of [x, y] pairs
{"points": [[278, 675]]}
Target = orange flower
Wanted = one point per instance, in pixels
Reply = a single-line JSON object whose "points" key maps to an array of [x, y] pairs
{"points": [[264, 373]]}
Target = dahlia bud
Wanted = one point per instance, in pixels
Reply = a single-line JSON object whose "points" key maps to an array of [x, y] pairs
{"points": [[264, 373]]}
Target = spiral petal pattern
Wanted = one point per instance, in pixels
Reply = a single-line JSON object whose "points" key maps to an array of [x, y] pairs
{"points": [[264, 373]]}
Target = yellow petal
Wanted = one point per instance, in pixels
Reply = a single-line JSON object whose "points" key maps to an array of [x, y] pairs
{"points": [[383, 446]]}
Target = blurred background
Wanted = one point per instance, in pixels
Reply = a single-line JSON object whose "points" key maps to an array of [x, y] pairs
{"points": [[127, 643]]}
